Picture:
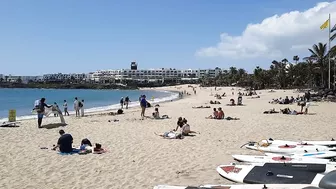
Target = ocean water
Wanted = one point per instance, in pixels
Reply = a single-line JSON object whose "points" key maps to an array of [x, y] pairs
{"points": [[22, 100]]}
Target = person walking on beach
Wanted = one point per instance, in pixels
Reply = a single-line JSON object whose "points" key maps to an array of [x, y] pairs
{"points": [[143, 104], [81, 106], [40, 111], [65, 106], [127, 100], [76, 107], [122, 102]]}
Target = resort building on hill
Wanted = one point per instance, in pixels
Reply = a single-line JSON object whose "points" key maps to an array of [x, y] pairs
{"points": [[152, 75], [123, 75]]}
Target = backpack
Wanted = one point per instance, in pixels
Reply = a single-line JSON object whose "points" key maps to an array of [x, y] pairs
{"points": [[80, 104]]}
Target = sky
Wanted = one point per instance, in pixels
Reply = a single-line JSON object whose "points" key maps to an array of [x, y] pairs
{"points": [[80, 36]]}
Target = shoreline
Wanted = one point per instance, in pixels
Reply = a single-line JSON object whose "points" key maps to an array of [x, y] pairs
{"points": [[106, 109]]}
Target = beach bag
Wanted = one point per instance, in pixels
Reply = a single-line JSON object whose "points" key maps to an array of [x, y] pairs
{"points": [[120, 111]]}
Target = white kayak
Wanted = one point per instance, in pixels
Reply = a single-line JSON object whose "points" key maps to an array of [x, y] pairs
{"points": [[286, 148], [322, 155], [254, 174], [278, 158], [239, 186]]}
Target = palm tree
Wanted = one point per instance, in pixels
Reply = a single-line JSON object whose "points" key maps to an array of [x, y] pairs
{"points": [[19, 80], [296, 58], [319, 51]]}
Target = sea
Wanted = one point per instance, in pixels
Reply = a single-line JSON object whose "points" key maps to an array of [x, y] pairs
{"points": [[22, 100]]}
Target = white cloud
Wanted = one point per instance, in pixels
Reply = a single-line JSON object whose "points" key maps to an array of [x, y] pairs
{"points": [[277, 36]]}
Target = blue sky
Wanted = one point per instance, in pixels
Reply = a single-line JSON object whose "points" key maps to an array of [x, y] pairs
{"points": [[65, 36]]}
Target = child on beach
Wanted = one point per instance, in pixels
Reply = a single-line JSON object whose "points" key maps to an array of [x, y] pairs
{"points": [[65, 106]]}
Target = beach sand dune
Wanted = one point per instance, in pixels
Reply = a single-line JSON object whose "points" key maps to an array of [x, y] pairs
{"points": [[137, 158]]}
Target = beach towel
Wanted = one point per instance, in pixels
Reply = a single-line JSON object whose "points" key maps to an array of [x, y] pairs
{"points": [[74, 151], [9, 124]]}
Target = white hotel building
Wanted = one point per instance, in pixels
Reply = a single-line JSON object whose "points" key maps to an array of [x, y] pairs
{"points": [[152, 74]]}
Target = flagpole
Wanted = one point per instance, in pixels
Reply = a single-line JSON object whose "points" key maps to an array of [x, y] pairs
{"points": [[329, 55]]}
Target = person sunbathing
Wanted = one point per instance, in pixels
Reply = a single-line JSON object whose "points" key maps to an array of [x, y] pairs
{"points": [[170, 135], [254, 97], [214, 115], [289, 112], [214, 102], [272, 111], [201, 107]]}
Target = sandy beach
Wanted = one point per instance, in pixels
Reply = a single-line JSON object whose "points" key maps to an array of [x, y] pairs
{"points": [[137, 158]]}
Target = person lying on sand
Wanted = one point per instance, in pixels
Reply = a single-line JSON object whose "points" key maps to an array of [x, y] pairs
{"points": [[120, 111], [214, 114], [271, 111], [254, 97], [186, 128], [290, 112], [170, 135], [214, 102], [201, 107]]}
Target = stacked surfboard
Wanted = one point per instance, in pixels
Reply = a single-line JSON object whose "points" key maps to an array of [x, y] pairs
{"points": [[285, 165], [285, 162]]}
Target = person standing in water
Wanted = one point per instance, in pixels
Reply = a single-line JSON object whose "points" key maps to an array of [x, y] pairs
{"points": [[76, 107], [40, 111], [65, 106], [81, 106], [127, 100]]}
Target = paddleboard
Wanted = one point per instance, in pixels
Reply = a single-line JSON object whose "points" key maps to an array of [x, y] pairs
{"points": [[288, 148], [322, 155], [251, 174], [275, 158], [241, 186], [304, 142], [306, 167]]}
